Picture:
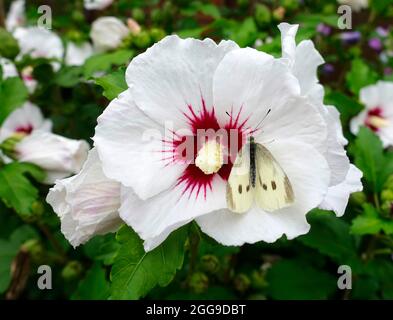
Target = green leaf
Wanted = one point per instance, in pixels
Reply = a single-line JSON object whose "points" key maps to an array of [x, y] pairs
{"points": [[113, 83], [8, 251], [94, 286], [104, 61], [330, 236], [296, 280], [371, 160], [360, 76], [16, 191], [135, 272], [13, 94], [102, 248], [68, 77], [370, 222]]}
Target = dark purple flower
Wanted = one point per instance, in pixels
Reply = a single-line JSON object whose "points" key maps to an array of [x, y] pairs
{"points": [[328, 68], [324, 29], [351, 37], [375, 44]]}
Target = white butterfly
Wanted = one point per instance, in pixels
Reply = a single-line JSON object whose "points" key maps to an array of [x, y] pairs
{"points": [[257, 175]]}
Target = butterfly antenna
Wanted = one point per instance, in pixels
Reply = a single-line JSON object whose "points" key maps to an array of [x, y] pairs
{"points": [[259, 124]]}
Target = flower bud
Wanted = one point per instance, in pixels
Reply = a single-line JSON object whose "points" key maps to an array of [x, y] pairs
{"points": [[138, 14], [210, 263], [358, 198], [8, 146], [387, 195], [258, 280], [142, 40], [157, 34], [199, 282], [35, 249], [72, 270], [242, 282], [279, 13]]}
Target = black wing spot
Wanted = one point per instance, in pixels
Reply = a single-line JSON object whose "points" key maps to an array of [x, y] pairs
{"points": [[248, 188], [274, 186], [264, 186], [240, 188]]}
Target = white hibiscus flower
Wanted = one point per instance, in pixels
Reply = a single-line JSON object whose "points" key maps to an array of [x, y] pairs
{"points": [[87, 203], [77, 54], [9, 69], [303, 59], [378, 114], [200, 85], [58, 156], [40, 43], [356, 5], [107, 33], [97, 4], [16, 16]]}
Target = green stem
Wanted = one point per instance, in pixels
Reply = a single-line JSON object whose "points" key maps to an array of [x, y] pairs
{"points": [[376, 201]]}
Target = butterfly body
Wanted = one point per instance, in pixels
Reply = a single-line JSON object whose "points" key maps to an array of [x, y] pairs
{"points": [[257, 177]]}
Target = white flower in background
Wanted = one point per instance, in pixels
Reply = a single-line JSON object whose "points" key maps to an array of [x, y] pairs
{"points": [[16, 16], [9, 69], [303, 59], [40, 43], [58, 156], [87, 203], [107, 33], [191, 84], [378, 114], [356, 5], [28, 79], [97, 4], [25, 120], [77, 54]]}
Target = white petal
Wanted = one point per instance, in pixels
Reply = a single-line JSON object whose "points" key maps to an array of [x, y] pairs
{"points": [[173, 74], [136, 141], [154, 219], [28, 117], [356, 5], [55, 154], [379, 95], [107, 33], [309, 175], [77, 54], [357, 122], [288, 42], [40, 43], [97, 4], [303, 60], [338, 196], [9, 69], [16, 16], [87, 203]]}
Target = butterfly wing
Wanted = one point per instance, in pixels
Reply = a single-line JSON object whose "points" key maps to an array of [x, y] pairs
{"points": [[240, 194], [273, 190]]}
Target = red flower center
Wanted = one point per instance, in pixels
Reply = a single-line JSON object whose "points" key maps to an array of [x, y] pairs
{"points": [[27, 129], [203, 127], [375, 112]]}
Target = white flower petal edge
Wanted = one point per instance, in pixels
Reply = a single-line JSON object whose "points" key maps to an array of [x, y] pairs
{"points": [[16, 16], [77, 54], [97, 4], [157, 217], [27, 118], [107, 33], [58, 156], [40, 43], [136, 141], [356, 5], [379, 95], [87, 203], [174, 74], [338, 196], [308, 172], [9, 69], [303, 59]]}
